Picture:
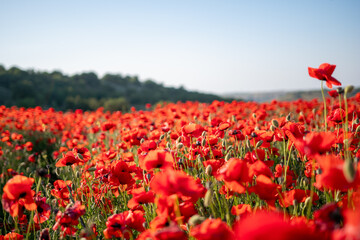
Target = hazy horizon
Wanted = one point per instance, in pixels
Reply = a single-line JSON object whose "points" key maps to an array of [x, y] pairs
{"points": [[206, 46]]}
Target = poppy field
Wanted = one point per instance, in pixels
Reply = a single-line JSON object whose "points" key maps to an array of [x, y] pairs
{"points": [[239, 170]]}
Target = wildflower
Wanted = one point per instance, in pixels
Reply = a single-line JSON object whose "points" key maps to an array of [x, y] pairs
{"points": [[17, 192], [68, 219], [212, 229], [324, 73]]}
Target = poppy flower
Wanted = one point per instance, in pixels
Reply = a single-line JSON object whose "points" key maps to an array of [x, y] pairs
{"points": [[120, 225], [241, 209], [315, 143], [265, 225], [13, 236], [140, 196], [17, 191], [329, 217], [332, 174], [61, 192], [324, 73], [299, 195], [156, 159], [170, 232], [351, 227], [172, 182], [69, 219], [235, 174], [68, 159], [43, 210], [212, 229], [333, 93]]}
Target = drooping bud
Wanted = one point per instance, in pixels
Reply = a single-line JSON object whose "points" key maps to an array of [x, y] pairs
{"points": [[340, 90], [227, 157], [275, 123], [357, 129], [349, 170], [208, 198], [259, 143], [349, 89], [288, 117], [203, 142], [196, 220], [179, 146], [208, 170]]}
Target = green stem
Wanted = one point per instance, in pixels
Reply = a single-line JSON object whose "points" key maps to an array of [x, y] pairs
{"points": [[324, 100]]}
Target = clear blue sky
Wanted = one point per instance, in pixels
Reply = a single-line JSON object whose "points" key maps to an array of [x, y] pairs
{"points": [[211, 46]]}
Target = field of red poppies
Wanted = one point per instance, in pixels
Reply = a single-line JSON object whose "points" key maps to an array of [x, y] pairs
{"points": [[239, 170]]}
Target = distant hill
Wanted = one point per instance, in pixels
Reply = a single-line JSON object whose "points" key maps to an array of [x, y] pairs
{"points": [[281, 95], [29, 88]]}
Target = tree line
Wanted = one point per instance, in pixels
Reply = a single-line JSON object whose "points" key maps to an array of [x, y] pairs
{"points": [[29, 88]]}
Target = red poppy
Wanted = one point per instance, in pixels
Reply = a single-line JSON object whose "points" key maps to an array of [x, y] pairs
{"points": [[212, 229], [43, 210], [69, 219], [333, 93], [332, 175], [266, 189], [13, 236], [299, 195], [316, 143], [172, 232], [17, 191], [61, 192], [140, 196], [235, 174], [241, 209], [69, 159], [172, 182], [265, 225], [120, 225], [324, 73], [157, 159]]}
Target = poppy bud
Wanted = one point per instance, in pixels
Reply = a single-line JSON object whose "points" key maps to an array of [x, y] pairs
{"points": [[208, 170], [349, 170], [272, 128], [275, 123], [203, 134], [162, 137], [248, 144], [295, 203], [196, 220], [254, 115], [349, 89], [288, 117], [307, 202], [227, 157], [208, 198], [223, 143], [80, 156], [142, 140], [44, 235], [259, 143], [168, 145], [179, 146], [340, 90], [179, 139], [203, 142], [229, 148], [357, 129], [92, 169]]}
